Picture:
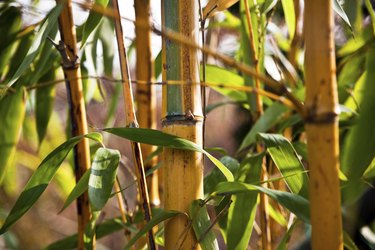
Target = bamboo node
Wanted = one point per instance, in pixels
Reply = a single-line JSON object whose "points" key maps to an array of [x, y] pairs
{"points": [[67, 62], [323, 118]]}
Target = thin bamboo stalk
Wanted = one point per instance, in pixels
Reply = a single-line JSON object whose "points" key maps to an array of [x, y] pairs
{"points": [[182, 116], [72, 74], [131, 121], [322, 126], [146, 93]]}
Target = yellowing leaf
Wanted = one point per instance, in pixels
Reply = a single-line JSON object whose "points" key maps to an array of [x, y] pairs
{"points": [[217, 5]]}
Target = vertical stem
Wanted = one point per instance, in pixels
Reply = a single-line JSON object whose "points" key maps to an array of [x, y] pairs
{"points": [[146, 92], [73, 81], [182, 116], [131, 121], [322, 126]]}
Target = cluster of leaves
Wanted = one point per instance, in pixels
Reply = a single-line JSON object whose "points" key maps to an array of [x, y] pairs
{"points": [[233, 187]]}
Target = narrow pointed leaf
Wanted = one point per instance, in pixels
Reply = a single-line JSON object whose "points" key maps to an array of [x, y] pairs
{"points": [[102, 177], [93, 20], [162, 216], [241, 213], [283, 245], [294, 203], [290, 16], [41, 35], [264, 123], [288, 163], [201, 225], [12, 113], [40, 179], [217, 5], [340, 11], [158, 138]]}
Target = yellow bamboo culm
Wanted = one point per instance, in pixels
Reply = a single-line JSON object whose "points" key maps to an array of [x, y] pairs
{"points": [[322, 126], [73, 81], [182, 116], [145, 94]]}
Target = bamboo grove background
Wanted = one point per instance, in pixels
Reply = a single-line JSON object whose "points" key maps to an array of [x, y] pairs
{"points": [[225, 125]]}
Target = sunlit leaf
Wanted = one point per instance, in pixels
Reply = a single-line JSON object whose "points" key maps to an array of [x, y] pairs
{"points": [[12, 113], [40, 179], [217, 5], [41, 35], [288, 163], [339, 10], [158, 138], [201, 225], [290, 16]]}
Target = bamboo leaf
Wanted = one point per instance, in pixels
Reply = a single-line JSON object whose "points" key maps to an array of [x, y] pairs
{"points": [[157, 65], [290, 16], [360, 142], [241, 213], [340, 11], [201, 225], [78, 190], [12, 113], [295, 203], [93, 21], [102, 177], [44, 104], [288, 163], [40, 179], [41, 35], [371, 12], [283, 245], [160, 217], [270, 117], [106, 32], [158, 138]]}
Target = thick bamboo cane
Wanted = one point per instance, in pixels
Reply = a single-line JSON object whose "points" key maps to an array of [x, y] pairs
{"points": [[131, 121], [145, 94], [72, 74], [182, 116], [322, 126]]}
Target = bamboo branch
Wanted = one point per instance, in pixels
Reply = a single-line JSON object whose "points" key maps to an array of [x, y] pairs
{"points": [[131, 122], [72, 74]]}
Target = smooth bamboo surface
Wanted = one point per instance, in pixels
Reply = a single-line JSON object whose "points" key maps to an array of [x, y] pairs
{"points": [[73, 81], [145, 94], [322, 126]]}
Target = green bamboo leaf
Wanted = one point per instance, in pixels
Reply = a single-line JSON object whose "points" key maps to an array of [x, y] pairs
{"points": [[12, 113], [358, 151], [10, 24], [106, 228], [218, 75], [44, 98], [157, 65], [340, 11], [106, 33], [288, 163], [241, 213], [268, 5], [201, 225], [41, 35], [160, 217], [293, 202], [270, 117], [158, 138], [371, 12], [40, 179], [93, 21], [81, 186], [103, 175], [283, 245], [290, 16]]}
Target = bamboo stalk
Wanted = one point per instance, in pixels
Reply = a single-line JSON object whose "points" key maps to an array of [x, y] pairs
{"points": [[182, 116], [145, 94], [131, 121], [322, 126], [72, 75]]}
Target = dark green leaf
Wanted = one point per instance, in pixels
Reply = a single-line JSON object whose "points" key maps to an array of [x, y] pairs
{"points": [[157, 65], [160, 217], [12, 113], [158, 138], [106, 33], [283, 245], [295, 203], [264, 123], [103, 175], [40, 179], [41, 35], [241, 213], [288, 163], [201, 225], [93, 20]]}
